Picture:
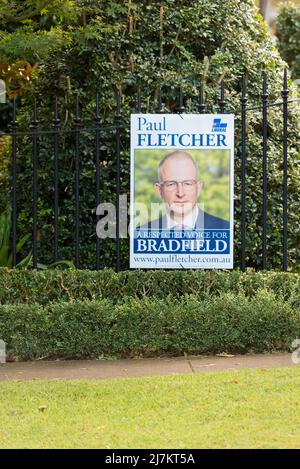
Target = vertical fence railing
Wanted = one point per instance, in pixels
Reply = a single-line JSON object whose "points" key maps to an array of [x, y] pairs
{"points": [[264, 167], [97, 158], [138, 102], [222, 102], [243, 179], [77, 131], [34, 126], [118, 118], [159, 102], [14, 184], [201, 98], [180, 109], [56, 123], [77, 122], [285, 170]]}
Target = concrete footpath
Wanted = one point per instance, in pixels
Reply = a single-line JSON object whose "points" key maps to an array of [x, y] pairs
{"points": [[104, 369]]}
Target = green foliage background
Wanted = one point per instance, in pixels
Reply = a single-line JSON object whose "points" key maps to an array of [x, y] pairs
{"points": [[84, 314], [151, 44], [213, 170], [288, 34]]}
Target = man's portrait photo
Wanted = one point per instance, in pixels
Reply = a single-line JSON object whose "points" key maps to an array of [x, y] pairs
{"points": [[186, 190]]}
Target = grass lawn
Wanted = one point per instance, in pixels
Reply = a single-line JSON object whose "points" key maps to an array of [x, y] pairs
{"points": [[246, 409]]}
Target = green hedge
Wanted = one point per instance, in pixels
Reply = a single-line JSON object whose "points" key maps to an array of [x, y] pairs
{"points": [[29, 286], [150, 327], [89, 314], [125, 45], [288, 34]]}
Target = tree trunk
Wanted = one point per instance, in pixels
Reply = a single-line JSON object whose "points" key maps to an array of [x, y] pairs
{"points": [[264, 6], [268, 10]]}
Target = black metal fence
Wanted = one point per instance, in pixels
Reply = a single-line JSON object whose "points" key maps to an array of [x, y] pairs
{"points": [[34, 133]]}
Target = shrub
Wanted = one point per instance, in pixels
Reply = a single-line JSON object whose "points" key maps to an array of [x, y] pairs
{"points": [[288, 34], [42, 287], [150, 327], [152, 44]]}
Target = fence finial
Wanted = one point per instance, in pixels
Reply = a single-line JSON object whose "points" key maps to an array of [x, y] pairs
{"points": [[181, 107], [138, 100], [201, 98], [285, 78], [159, 103], [222, 102]]}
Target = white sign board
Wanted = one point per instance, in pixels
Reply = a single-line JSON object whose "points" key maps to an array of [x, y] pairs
{"points": [[182, 191]]}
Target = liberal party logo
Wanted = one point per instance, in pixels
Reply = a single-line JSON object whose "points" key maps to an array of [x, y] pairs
{"points": [[219, 126]]}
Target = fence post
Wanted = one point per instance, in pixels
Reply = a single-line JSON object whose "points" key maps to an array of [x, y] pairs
{"points": [[244, 157], [118, 118], [97, 121], [77, 121], [201, 98], [159, 103], [14, 184], [138, 101], [181, 107], [34, 126], [285, 169], [264, 164], [222, 102], [55, 142]]}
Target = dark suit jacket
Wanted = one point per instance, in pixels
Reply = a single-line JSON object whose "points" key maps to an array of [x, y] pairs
{"points": [[210, 222]]}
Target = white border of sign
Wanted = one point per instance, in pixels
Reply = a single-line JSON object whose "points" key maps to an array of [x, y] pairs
{"points": [[180, 124]]}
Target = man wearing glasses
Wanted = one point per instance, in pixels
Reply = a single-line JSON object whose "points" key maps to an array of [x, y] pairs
{"points": [[179, 188]]}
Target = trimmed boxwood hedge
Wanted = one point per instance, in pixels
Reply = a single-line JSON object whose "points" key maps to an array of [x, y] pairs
{"points": [[150, 326], [88, 314], [30, 286]]}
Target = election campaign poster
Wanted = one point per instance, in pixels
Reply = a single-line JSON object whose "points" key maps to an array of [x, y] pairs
{"points": [[181, 208]]}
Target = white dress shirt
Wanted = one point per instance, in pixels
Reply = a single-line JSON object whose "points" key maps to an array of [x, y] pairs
{"points": [[187, 223]]}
